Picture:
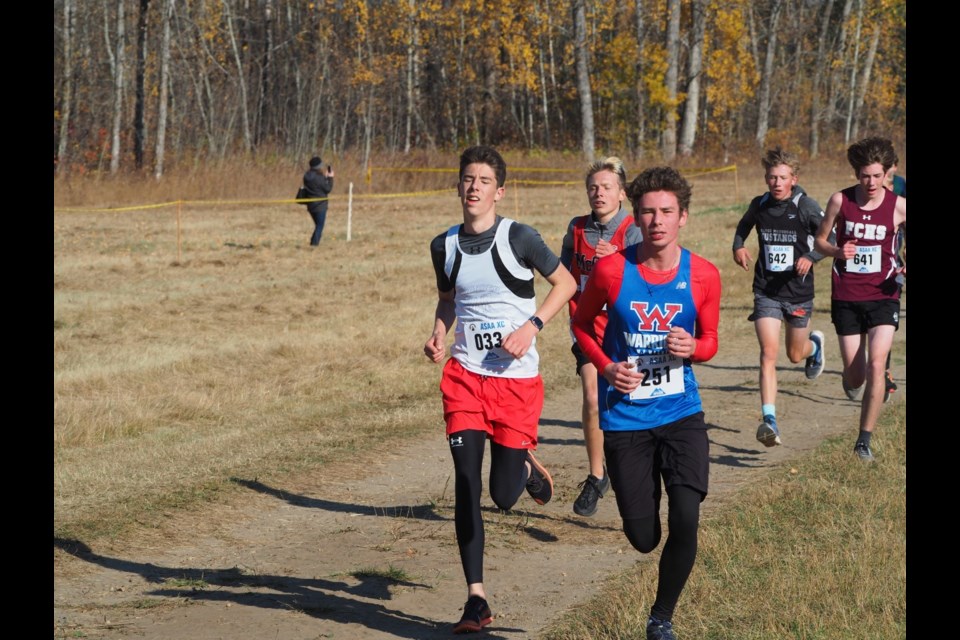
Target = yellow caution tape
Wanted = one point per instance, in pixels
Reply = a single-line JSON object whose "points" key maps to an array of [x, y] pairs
{"points": [[372, 196]]}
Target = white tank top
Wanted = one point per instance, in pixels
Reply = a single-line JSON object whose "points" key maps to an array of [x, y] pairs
{"points": [[487, 310]]}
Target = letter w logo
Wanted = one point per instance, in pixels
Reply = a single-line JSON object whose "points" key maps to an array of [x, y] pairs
{"points": [[655, 319]]}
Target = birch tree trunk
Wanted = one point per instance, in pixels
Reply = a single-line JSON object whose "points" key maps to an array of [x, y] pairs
{"points": [[641, 94], [544, 101], [816, 106], [119, 64], [66, 104], [164, 88], [413, 48], [583, 78], [835, 76], [241, 81], [851, 100], [553, 71], [668, 139], [766, 78], [865, 81], [688, 129], [264, 111], [138, 115]]}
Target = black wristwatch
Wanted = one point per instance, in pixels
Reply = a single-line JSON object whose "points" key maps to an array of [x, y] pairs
{"points": [[537, 322]]}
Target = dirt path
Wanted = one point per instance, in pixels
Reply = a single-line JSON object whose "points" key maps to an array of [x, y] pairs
{"points": [[284, 563]]}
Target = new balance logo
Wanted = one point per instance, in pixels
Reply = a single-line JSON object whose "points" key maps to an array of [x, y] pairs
{"points": [[682, 284]]}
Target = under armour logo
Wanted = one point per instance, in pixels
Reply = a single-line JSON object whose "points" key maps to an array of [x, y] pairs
{"points": [[456, 442], [866, 217]]}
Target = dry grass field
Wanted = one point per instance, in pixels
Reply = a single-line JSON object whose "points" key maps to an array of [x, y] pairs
{"points": [[255, 354], [189, 355]]}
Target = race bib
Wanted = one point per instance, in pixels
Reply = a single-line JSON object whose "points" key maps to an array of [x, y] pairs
{"points": [[485, 340], [662, 376], [866, 260], [779, 257]]}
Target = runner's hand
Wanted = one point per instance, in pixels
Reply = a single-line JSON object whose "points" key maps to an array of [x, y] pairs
{"points": [[623, 376]]}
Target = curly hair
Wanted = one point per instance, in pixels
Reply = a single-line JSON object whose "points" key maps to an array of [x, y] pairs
{"points": [[660, 179]]}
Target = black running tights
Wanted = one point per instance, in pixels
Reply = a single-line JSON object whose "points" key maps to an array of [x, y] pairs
{"points": [[508, 477], [680, 550]]}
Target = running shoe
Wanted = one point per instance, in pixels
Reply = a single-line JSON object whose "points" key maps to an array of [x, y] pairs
{"points": [[767, 432], [814, 365], [539, 484], [889, 387], [476, 615], [863, 452], [591, 490], [853, 394], [660, 630]]}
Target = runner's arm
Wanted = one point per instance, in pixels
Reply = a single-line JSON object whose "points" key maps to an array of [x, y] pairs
{"points": [[445, 313], [592, 299], [826, 231], [706, 290], [741, 255], [811, 215], [566, 259], [900, 221]]}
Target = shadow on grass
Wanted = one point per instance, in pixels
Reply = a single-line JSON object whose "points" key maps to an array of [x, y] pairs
{"points": [[326, 599], [417, 512]]}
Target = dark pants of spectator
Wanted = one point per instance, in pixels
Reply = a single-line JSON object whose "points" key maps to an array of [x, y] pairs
{"points": [[318, 211]]}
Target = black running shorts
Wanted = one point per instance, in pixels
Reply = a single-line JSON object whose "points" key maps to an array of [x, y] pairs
{"points": [[678, 452]]}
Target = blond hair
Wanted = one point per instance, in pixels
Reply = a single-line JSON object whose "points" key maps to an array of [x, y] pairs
{"points": [[613, 164]]}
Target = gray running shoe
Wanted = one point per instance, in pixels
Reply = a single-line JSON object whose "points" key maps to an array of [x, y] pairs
{"points": [[863, 451], [767, 433], [853, 394], [591, 490], [814, 365]]}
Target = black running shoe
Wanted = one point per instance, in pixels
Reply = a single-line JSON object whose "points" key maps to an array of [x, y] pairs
{"points": [[889, 386], [539, 484], [476, 615], [591, 490], [660, 630]]}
